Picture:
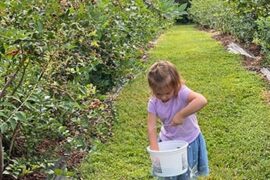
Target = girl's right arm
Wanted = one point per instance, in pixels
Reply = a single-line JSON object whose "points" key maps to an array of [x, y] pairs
{"points": [[152, 131]]}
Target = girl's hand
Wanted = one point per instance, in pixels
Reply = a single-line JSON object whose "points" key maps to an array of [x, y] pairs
{"points": [[178, 119], [195, 102], [154, 148]]}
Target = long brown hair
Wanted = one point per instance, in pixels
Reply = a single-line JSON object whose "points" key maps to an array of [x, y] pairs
{"points": [[164, 74]]}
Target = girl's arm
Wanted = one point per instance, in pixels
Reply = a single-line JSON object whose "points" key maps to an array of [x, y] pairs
{"points": [[152, 131], [196, 102]]}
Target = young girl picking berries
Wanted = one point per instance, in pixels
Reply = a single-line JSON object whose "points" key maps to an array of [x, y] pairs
{"points": [[175, 105]]}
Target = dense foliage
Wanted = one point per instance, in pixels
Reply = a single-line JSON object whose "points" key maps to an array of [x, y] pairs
{"points": [[185, 19], [58, 59], [248, 20]]}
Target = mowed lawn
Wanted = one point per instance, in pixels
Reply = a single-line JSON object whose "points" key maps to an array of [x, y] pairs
{"points": [[235, 123]]}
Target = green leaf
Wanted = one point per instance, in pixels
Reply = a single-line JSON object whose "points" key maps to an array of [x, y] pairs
{"points": [[58, 172], [34, 98], [2, 114], [20, 116], [16, 98], [3, 127], [183, 7], [8, 104], [13, 123], [69, 46], [30, 107], [39, 27]]}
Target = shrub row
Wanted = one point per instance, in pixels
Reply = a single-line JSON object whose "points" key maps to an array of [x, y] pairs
{"points": [[247, 20], [57, 61]]}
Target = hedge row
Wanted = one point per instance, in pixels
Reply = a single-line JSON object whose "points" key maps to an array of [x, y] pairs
{"points": [[248, 20], [58, 59]]}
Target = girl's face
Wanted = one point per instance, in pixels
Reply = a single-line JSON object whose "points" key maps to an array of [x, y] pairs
{"points": [[165, 94]]}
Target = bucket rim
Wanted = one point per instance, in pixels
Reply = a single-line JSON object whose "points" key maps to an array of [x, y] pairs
{"points": [[170, 150]]}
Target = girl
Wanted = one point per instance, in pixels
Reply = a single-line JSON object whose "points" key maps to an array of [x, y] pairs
{"points": [[175, 105]]}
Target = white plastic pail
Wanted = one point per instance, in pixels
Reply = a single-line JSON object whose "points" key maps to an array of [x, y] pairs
{"points": [[171, 159]]}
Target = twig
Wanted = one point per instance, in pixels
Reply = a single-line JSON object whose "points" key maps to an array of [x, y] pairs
{"points": [[2, 92], [21, 80], [12, 76], [13, 138]]}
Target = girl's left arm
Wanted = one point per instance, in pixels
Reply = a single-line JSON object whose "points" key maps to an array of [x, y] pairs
{"points": [[196, 101], [152, 131]]}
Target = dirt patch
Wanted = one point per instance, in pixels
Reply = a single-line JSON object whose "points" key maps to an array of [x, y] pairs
{"points": [[252, 64], [225, 39], [34, 176], [31, 176], [75, 158], [45, 145]]}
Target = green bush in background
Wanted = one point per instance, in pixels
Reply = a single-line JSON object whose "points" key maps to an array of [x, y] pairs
{"points": [[263, 35], [58, 60], [247, 19]]}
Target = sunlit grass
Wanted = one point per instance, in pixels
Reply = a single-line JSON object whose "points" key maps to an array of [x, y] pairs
{"points": [[236, 122]]}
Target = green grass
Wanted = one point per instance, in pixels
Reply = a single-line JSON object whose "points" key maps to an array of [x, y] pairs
{"points": [[235, 123]]}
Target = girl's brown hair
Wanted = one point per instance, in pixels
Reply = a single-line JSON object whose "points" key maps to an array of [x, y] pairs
{"points": [[164, 74]]}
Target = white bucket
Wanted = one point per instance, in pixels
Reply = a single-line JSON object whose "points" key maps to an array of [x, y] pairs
{"points": [[171, 159]]}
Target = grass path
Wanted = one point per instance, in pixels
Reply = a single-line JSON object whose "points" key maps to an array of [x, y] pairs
{"points": [[235, 123]]}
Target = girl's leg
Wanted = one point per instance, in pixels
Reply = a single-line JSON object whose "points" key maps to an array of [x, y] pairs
{"points": [[203, 168], [197, 160]]}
